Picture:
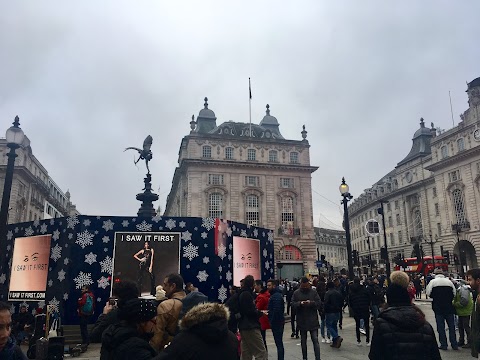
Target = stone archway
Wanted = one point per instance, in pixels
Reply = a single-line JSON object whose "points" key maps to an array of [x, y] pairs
{"points": [[466, 253]]}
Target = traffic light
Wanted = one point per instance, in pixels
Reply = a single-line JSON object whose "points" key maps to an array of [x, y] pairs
{"points": [[355, 259], [322, 258], [446, 255], [455, 259], [380, 211], [383, 254], [418, 254]]}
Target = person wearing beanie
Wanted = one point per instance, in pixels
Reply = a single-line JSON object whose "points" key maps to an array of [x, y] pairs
{"points": [[129, 338], [160, 294], [442, 291], [401, 331]]}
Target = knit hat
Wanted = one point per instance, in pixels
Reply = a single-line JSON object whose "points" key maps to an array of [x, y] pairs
{"points": [[397, 294], [160, 295], [137, 310]]}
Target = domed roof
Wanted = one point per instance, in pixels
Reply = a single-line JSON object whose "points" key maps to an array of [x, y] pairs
{"points": [[268, 119], [474, 83], [423, 130], [206, 112]]}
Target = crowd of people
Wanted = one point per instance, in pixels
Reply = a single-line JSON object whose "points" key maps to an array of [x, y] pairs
{"points": [[181, 323]]}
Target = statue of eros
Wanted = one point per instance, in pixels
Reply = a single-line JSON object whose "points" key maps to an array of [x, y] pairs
{"points": [[146, 153]]}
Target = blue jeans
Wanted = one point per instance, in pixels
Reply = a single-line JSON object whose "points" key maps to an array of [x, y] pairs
{"points": [[375, 311], [316, 345], [332, 320], [322, 328], [442, 337], [277, 332]]}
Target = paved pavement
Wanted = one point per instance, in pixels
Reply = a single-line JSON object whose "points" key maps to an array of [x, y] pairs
{"points": [[349, 349]]}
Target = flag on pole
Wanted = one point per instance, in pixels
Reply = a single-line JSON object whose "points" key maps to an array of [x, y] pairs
{"points": [[249, 89]]}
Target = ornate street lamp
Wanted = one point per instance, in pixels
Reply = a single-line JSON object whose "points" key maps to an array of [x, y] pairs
{"points": [[344, 191], [14, 137], [431, 242]]}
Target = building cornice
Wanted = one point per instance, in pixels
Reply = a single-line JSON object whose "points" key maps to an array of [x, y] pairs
{"points": [[246, 139], [247, 164], [463, 155]]}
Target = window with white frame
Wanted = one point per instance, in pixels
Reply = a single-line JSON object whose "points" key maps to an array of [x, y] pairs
{"points": [[252, 181], [207, 151], [454, 176], [287, 215], [286, 182], [294, 157], [251, 154], [444, 151], [459, 206], [273, 156], [215, 205], [252, 216], [229, 153], [215, 179], [460, 144]]}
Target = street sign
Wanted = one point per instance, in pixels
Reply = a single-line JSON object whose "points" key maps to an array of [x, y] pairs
{"points": [[318, 263]]}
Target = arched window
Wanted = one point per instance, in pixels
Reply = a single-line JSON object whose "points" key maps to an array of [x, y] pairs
{"points": [[207, 151], [273, 156], [417, 222], [252, 215], [215, 205], [444, 151], [287, 215], [459, 206], [292, 253]]}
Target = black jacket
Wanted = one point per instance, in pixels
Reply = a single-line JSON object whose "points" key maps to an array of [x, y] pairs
{"points": [[276, 307], [248, 311], [403, 333], [123, 342], [306, 315], [204, 335], [378, 294], [102, 323], [333, 301], [442, 291], [359, 299]]}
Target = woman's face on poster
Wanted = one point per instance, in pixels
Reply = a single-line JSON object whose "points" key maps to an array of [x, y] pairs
{"points": [[146, 246]]}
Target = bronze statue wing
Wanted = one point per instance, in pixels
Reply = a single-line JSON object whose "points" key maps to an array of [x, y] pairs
{"points": [[147, 143], [133, 148]]}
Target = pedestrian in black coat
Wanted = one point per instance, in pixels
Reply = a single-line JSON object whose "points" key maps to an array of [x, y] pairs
{"points": [[401, 331], [360, 301]]}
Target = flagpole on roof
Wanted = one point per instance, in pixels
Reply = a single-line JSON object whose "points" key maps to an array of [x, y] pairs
{"points": [[250, 104]]}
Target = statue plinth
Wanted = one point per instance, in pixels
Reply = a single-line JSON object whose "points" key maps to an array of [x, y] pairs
{"points": [[147, 198]]}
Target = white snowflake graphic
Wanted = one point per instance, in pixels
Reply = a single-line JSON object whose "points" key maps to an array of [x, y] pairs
{"points": [[270, 237], [43, 228], [190, 251], [208, 223], [66, 261], [70, 236], [56, 253], [3, 278], [202, 276], [36, 223], [16, 230], [230, 257], [205, 245], [182, 224], [9, 247], [187, 266], [103, 282], [52, 221], [96, 232], [255, 232], [86, 222], [50, 283], [56, 235], [157, 218], [229, 231], [144, 226], [222, 251], [228, 276], [54, 304], [243, 233], [230, 246], [29, 231], [267, 265], [105, 249], [187, 236], [41, 304], [61, 275], [106, 265], [265, 253], [83, 279], [170, 224], [105, 239], [234, 228], [65, 296], [125, 223], [24, 303], [72, 221], [204, 235], [108, 225], [91, 258], [206, 260], [9, 235], [84, 239], [220, 268], [12, 309], [222, 293]]}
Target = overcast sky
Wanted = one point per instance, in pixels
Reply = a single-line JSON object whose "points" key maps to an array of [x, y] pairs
{"points": [[92, 78]]}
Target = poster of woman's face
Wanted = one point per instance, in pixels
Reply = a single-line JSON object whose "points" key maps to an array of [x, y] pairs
{"points": [[246, 259], [28, 277]]}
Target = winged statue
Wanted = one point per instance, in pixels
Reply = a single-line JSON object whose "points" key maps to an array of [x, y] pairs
{"points": [[145, 153]]}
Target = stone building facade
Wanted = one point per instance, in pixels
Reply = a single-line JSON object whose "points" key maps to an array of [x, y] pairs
{"points": [[333, 245], [432, 195], [34, 194], [249, 173]]}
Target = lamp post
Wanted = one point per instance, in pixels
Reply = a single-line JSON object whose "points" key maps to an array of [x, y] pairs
{"points": [[458, 230], [387, 260], [369, 256], [14, 137], [344, 191], [431, 242]]}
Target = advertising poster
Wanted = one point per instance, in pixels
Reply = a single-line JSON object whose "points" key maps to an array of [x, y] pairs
{"points": [[146, 258], [28, 276], [246, 259]]}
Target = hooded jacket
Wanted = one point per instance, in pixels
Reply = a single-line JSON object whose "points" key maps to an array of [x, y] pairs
{"points": [[204, 335], [359, 298], [261, 302], [403, 333], [276, 307], [442, 291], [12, 351], [120, 341], [249, 313]]}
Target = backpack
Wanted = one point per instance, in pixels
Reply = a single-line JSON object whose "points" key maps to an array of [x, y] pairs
{"points": [[464, 295], [87, 308]]}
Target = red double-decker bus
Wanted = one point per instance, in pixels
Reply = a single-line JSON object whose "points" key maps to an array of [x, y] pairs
{"points": [[424, 267]]}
